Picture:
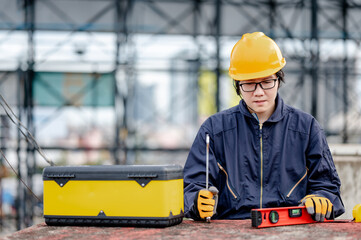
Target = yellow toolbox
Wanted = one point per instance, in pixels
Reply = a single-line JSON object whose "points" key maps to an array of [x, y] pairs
{"points": [[117, 195]]}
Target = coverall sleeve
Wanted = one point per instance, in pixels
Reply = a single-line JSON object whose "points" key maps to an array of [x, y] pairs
{"points": [[322, 176], [195, 170]]}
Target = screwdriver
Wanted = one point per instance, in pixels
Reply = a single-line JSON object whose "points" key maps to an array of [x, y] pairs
{"points": [[212, 189], [208, 219]]}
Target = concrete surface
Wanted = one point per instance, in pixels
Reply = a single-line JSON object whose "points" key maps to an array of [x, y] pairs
{"points": [[188, 229]]}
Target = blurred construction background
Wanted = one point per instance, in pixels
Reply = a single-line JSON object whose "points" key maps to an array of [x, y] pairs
{"points": [[130, 81]]}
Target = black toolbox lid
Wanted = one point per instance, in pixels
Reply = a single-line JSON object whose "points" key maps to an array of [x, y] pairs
{"points": [[114, 172]]}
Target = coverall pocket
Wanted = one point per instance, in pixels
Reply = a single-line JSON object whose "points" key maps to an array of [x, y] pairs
{"points": [[297, 190], [228, 185]]}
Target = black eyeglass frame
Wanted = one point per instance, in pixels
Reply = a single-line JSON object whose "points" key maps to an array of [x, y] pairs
{"points": [[260, 84]]}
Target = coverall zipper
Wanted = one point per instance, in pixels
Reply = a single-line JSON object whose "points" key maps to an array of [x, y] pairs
{"points": [[290, 192], [261, 145], [225, 172]]}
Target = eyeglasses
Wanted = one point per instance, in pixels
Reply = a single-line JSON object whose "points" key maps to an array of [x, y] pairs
{"points": [[265, 85]]}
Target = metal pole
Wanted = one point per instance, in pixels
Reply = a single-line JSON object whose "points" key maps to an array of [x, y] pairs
{"points": [[272, 17], [195, 65], [344, 71], [315, 55], [217, 34], [117, 30], [30, 154], [19, 197], [123, 9]]}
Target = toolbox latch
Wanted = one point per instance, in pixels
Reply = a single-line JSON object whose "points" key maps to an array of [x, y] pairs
{"points": [[61, 179], [143, 179]]}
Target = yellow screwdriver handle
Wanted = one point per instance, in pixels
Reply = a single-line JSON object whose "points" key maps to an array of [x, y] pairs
{"points": [[214, 191]]}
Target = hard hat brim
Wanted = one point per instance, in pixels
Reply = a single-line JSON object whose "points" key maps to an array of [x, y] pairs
{"points": [[255, 75]]}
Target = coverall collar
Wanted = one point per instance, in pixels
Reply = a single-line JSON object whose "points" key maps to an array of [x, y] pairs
{"points": [[276, 116]]}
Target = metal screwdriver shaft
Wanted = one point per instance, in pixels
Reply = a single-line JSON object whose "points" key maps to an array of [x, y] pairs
{"points": [[207, 159], [208, 219]]}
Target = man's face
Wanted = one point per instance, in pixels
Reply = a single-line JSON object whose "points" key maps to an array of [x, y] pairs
{"points": [[262, 100]]}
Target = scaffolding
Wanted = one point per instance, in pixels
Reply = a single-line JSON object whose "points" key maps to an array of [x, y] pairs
{"points": [[320, 39]]}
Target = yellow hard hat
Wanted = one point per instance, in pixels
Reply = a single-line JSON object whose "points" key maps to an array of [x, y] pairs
{"points": [[255, 56]]}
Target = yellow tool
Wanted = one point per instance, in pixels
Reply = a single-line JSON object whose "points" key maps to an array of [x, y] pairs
{"points": [[356, 213]]}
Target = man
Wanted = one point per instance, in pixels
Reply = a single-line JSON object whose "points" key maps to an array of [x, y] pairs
{"points": [[262, 153]]}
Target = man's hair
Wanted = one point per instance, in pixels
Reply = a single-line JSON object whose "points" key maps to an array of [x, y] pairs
{"points": [[280, 75]]}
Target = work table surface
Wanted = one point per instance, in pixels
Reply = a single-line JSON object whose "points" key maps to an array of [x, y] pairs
{"points": [[189, 229]]}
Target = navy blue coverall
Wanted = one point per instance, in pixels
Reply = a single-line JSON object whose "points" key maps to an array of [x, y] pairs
{"points": [[253, 165]]}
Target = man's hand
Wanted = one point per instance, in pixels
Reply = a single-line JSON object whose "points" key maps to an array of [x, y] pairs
{"points": [[317, 206], [205, 203]]}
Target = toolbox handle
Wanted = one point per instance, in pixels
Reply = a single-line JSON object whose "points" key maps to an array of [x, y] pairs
{"points": [[142, 175], [52, 175]]}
